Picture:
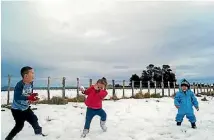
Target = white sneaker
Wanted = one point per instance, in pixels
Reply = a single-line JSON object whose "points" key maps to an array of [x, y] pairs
{"points": [[84, 133], [103, 126]]}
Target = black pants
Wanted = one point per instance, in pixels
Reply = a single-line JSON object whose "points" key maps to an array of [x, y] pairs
{"points": [[20, 117]]}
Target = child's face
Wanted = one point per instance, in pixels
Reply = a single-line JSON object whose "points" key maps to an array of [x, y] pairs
{"points": [[30, 76], [184, 88], [100, 86]]}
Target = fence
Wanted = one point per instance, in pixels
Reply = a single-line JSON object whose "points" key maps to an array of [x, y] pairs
{"points": [[121, 89]]}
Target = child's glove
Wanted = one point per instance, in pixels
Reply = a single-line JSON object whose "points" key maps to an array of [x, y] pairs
{"points": [[32, 98], [197, 108]]}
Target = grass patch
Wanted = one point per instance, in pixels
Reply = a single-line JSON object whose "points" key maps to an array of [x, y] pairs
{"points": [[80, 98], [139, 95], [114, 98], [147, 95], [6, 106], [156, 95], [54, 100]]}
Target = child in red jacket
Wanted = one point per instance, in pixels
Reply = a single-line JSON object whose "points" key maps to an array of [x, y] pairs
{"points": [[96, 94]]}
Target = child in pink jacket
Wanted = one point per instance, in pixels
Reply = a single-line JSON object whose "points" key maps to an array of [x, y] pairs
{"points": [[96, 93]]}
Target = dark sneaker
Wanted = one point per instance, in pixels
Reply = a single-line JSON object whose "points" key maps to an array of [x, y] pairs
{"points": [[193, 125], [178, 123]]}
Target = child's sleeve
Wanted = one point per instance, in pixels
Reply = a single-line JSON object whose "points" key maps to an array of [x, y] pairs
{"points": [[103, 94], [88, 91], [194, 100], [18, 93], [177, 99]]}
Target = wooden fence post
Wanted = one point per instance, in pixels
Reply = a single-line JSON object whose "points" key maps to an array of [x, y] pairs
{"points": [[48, 89], [204, 88], [155, 87], [132, 89], [207, 88], [78, 86], [123, 88], [141, 88], [213, 86], [148, 87], [90, 82], [162, 86], [201, 88], [194, 87], [168, 89], [113, 88], [63, 87], [197, 88], [8, 90], [174, 87]]}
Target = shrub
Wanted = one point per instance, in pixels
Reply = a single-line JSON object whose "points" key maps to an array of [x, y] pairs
{"points": [[210, 93], [54, 100], [114, 98], [6, 106], [156, 95], [147, 95], [80, 98], [138, 96]]}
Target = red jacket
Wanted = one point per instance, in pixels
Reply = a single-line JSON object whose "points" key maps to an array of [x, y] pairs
{"points": [[94, 99]]}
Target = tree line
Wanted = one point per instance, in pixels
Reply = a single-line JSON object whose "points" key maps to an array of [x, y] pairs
{"points": [[154, 73]]}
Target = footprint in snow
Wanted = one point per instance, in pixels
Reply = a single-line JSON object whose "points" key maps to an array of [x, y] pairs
{"points": [[150, 138], [165, 133]]}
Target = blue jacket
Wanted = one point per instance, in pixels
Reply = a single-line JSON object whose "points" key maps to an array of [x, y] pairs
{"points": [[21, 92], [185, 101]]}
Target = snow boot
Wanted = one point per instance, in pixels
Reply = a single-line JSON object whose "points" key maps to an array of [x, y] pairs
{"points": [[178, 123], [193, 125], [8, 138], [103, 126], [84, 133]]}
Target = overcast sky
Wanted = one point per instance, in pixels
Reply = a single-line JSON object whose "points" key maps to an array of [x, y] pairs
{"points": [[90, 39]]}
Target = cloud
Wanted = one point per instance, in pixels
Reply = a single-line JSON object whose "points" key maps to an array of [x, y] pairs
{"points": [[115, 39]]}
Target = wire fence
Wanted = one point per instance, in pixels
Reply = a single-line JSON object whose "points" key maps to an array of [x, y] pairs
{"points": [[48, 87]]}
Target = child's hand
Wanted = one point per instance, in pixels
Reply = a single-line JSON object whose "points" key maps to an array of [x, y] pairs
{"points": [[82, 89], [96, 87], [197, 108], [32, 98], [177, 106]]}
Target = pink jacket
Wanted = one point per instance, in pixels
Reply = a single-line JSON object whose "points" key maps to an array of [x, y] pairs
{"points": [[94, 99]]}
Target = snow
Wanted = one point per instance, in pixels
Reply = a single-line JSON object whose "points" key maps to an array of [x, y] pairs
{"points": [[130, 119]]}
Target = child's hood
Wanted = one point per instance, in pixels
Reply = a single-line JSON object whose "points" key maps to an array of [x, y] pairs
{"points": [[184, 81]]}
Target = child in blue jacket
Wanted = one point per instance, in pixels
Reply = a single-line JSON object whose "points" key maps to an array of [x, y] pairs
{"points": [[23, 95], [184, 101]]}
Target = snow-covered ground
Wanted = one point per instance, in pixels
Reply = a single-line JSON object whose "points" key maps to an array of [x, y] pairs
{"points": [[129, 119], [73, 92]]}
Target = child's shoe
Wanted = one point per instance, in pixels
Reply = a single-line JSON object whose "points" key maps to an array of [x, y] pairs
{"points": [[84, 133], [103, 126], [193, 125], [178, 123]]}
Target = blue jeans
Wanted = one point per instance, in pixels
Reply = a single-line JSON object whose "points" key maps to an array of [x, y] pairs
{"points": [[90, 113]]}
